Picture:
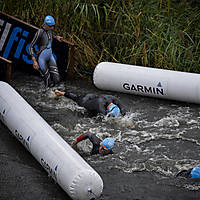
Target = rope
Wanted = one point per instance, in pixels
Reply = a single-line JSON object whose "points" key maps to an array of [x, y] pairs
{"points": [[89, 73]]}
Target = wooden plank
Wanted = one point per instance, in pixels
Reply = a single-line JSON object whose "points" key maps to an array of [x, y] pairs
{"points": [[5, 60], [8, 72]]}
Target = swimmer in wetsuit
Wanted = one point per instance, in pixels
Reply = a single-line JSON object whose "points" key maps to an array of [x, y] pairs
{"points": [[44, 60], [103, 104], [99, 147], [193, 173]]}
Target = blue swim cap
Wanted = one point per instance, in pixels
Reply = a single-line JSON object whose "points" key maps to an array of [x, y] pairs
{"points": [[195, 173], [113, 110], [49, 20], [108, 143]]}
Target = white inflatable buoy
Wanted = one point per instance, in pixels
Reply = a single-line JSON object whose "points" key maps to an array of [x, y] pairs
{"points": [[63, 164], [159, 83]]}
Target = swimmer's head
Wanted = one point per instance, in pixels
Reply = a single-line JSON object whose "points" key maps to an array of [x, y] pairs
{"points": [[49, 20], [106, 145], [113, 110], [195, 173]]}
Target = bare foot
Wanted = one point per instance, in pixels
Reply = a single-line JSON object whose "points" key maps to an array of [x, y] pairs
{"points": [[59, 93]]}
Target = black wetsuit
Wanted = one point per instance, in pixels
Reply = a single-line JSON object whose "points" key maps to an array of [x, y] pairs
{"points": [[48, 67], [95, 103], [184, 173], [95, 141]]}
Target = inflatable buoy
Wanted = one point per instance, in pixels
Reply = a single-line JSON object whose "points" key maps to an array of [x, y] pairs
{"points": [[153, 82], [63, 164]]}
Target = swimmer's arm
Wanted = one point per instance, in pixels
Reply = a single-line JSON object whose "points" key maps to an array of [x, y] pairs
{"points": [[121, 107], [78, 139], [35, 40]]}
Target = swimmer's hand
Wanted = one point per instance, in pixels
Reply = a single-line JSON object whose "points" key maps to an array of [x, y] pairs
{"points": [[35, 63], [59, 38], [74, 145]]}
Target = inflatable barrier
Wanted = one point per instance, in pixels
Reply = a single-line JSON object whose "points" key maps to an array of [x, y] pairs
{"points": [[153, 82], [63, 164]]}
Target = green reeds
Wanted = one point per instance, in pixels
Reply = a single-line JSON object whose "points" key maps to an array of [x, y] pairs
{"points": [[162, 34]]}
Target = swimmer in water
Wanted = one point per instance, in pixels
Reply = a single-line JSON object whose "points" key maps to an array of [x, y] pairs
{"points": [[192, 173], [95, 104], [99, 147]]}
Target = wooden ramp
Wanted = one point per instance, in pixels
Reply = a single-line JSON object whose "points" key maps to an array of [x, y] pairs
{"points": [[15, 38]]}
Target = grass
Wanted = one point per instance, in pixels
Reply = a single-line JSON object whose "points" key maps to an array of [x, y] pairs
{"points": [[155, 33]]}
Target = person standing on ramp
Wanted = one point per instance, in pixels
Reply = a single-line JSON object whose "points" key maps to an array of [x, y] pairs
{"points": [[43, 59]]}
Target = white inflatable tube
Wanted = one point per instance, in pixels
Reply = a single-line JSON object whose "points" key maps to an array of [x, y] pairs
{"points": [[159, 83], [63, 164]]}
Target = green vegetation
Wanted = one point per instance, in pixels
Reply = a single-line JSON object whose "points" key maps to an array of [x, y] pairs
{"points": [[156, 33]]}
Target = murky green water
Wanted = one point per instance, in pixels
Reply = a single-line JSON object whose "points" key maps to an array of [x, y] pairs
{"points": [[154, 141]]}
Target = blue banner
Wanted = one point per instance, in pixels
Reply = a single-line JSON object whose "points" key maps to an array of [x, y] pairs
{"points": [[15, 38]]}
